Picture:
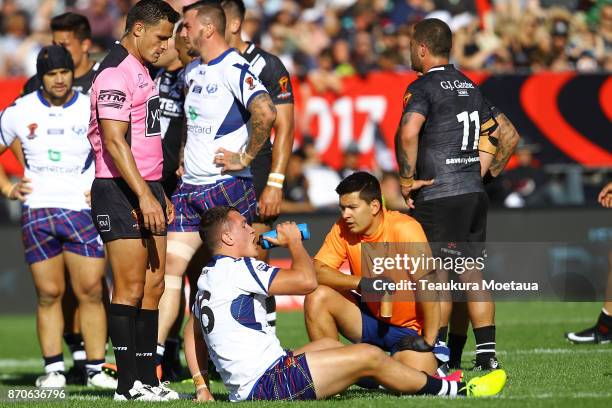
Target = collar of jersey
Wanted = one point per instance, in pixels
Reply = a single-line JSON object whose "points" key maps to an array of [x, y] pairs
{"points": [[220, 57], [215, 258], [441, 68], [47, 104]]}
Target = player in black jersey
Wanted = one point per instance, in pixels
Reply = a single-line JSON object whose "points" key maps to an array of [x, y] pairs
{"points": [[269, 165], [73, 32], [449, 138], [170, 80]]}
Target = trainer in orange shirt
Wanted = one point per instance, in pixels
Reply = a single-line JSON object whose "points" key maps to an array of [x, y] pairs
{"points": [[333, 308]]}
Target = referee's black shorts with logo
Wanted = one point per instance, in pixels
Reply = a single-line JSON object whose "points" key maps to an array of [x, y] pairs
{"points": [[455, 225], [115, 209]]}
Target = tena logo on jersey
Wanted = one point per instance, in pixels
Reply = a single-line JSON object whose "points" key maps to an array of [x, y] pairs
{"points": [[32, 127]]}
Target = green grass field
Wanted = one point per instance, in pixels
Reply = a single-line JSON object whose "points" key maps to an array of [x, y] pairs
{"points": [[543, 369]]}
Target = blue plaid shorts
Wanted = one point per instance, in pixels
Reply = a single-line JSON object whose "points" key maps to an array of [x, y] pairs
{"points": [[191, 201], [46, 232], [287, 380]]}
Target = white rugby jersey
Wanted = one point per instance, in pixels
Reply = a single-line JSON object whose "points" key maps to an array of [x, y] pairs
{"points": [[58, 157], [230, 305], [216, 105]]}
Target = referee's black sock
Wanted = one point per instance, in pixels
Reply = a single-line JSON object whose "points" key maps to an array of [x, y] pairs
{"points": [[436, 386], [146, 346], [122, 331], [456, 343], [485, 343]]}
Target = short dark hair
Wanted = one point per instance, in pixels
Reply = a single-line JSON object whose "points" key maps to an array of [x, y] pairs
{"points": [[436, 35], [215, 12], [74, 23], [235, 7], [211, 223], [198, 4], [366, 184], [150, 12]]}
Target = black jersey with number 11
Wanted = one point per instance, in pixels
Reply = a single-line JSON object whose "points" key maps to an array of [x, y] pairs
{"points": [[448, 143]]}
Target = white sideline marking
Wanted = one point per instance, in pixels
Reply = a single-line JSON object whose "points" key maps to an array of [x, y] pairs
{"points": [[576, 350], [548, 396], [32, 362], [37, 362]]}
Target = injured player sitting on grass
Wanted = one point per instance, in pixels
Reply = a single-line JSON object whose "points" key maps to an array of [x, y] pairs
{"points": [[229, 316]]}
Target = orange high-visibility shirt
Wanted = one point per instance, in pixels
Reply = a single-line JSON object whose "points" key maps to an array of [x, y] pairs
{"points": [[341, 245]]}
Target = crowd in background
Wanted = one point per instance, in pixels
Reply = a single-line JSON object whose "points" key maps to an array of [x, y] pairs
{"points": [[325, 40], [328, 39]]}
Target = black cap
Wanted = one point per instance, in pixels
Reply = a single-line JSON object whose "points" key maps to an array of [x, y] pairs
{"points": [[560, 28], [53, 57]]}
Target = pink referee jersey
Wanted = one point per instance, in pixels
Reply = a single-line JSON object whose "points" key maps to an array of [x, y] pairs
{"points": [[123, 90]]}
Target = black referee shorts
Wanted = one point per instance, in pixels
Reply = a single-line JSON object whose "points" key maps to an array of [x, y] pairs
{"points": [[454, 225], [114, 209]]}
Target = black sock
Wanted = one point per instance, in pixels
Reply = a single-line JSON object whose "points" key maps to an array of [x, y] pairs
{"points": [[172, 348], [485, 343], [604, 323], [146, 346], [54, 363], [442, 334], [122, 330], [94, 367], [75, 344], [436, 386], [456, 342]]}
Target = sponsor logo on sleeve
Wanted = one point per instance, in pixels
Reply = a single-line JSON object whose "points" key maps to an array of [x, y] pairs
{"points": [[283, 84], [407, 97], [250, 82], [112, 98]]}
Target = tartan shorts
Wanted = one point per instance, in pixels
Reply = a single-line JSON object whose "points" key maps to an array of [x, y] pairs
{"points": [[46, 232], [191, 201], [287, 380]]}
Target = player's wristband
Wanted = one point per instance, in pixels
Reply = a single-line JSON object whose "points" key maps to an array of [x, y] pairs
{"points": [[406, 181], [245, 159], [488, 144], [198, 380], [276, 180]]}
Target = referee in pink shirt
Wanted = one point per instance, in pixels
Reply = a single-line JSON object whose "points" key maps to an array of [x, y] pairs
{"points": [[129, 207]]}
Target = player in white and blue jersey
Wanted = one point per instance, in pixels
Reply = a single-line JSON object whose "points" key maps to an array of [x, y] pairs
{"points": [[229, 319], [227, 109], [50, 126]]}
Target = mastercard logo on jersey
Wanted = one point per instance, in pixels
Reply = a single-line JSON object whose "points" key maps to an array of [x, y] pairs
{"points": [[32, 127]]}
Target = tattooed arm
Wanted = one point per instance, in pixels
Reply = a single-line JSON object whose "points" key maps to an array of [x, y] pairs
{"points": [[406, 150], [263, 114], [508, 138]]}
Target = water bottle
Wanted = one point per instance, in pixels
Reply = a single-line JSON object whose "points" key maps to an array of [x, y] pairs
{"points": [[272, 234]]}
